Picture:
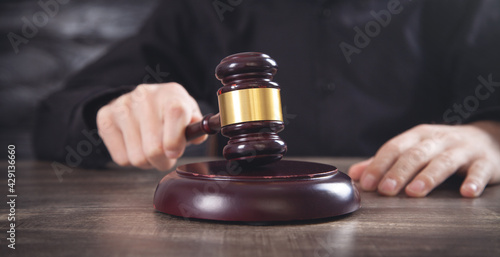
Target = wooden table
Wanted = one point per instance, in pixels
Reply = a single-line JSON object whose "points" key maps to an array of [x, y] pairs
{"points": [[110, 213]]}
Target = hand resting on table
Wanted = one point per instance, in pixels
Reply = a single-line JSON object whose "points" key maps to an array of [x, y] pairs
{"points": [[423, 157]]}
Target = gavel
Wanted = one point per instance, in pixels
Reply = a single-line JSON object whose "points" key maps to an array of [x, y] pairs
{"points": [[250, 112]]}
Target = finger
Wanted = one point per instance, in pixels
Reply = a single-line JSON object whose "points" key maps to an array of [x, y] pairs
{"points": [[112, 137], [408, 164], [175, 120], [385, 158], [356, 170], [478, 176], [129, 127], [151, 133], [437, 171], [197, 117]]}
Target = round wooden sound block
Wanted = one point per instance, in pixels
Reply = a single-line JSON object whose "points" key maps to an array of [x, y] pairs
{"points": [[281, 191]]}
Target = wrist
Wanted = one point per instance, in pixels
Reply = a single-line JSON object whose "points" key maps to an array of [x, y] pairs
{"points": [[492, 128]]}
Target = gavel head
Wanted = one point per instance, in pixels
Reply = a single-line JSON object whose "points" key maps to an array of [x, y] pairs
{"points": [[250, 109]]}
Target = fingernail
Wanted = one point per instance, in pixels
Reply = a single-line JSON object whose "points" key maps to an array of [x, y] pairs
{"points": [[173, 154], [388, 186], [471, 187], [368, 182], [416, 186]]}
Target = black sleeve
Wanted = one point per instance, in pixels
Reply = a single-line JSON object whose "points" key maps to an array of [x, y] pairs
{"points": [[468, 43], [65, 126]]}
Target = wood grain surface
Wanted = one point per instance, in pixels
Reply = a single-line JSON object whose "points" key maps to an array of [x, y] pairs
{"points": [[110, 213]]}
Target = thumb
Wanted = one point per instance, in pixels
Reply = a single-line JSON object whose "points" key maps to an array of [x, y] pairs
{"points": [[197, 117]]}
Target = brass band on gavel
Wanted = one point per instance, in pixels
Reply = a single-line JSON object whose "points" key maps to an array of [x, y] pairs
{"points": [[252, 104]]}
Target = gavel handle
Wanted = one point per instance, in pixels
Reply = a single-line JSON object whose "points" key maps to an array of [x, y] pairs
{"points": [[210, 124]]}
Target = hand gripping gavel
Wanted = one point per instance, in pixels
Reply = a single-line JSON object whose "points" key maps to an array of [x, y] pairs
{"points": [[249, 110]]}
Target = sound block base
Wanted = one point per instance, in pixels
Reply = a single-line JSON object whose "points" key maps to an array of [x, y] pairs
{"points": [[281, 191]]}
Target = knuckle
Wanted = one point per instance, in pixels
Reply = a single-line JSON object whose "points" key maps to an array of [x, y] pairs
{"points": [[480, 171], [122, 108], [176, 108], [171, 146], [121, 160], [178, 90], [140, 93], [446, 161], [194, 105], [392, 147], [104, 121], [402, 173], [454, 136], [445, 135], [424, 128], [142, 88], [138, 160], [474, 179], [480, 165], [169, 164], [427, 145], [123, 100], [376, 170], [103, 112], [429, 181], [153, 151], [416, 155], [438, 134], [175, 86]]}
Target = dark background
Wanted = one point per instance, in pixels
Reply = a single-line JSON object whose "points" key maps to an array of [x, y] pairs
{"points": [[76, 34]]}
